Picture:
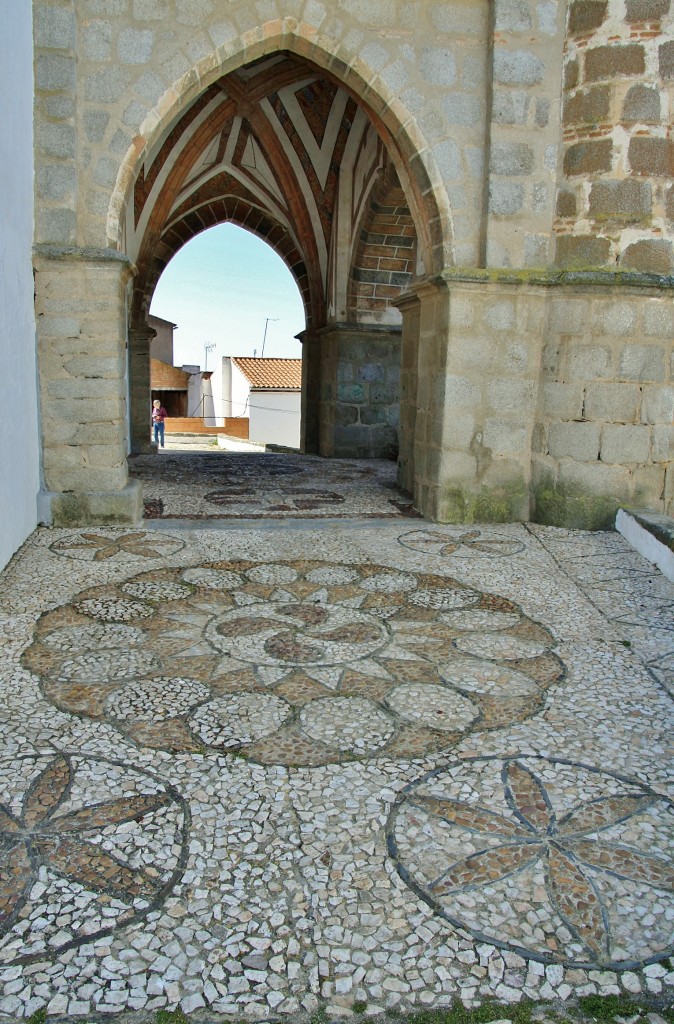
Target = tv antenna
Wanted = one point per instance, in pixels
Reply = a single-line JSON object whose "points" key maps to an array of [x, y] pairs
{"points": [[208, 347], [266, 324]]}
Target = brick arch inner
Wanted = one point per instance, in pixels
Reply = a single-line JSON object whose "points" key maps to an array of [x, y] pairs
{"points": [[228, 208], [303, 263], [383, 263], [409, 151], [168, 162]]}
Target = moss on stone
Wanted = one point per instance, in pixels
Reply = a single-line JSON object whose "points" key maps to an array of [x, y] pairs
{"points": [[120, 508], [552, 276], [557, 506], [70, 510], [497, 505]]}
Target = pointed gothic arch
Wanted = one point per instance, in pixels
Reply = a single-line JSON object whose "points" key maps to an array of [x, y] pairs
{"points": [[283, 136], [409, 151]]}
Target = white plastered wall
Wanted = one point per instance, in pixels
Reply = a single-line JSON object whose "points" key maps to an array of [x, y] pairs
{"points": [[230, 390], [275, 417], [19, 451]]}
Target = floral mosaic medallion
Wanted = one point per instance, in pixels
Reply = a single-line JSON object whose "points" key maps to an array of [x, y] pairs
{"points": [[554, 860], [86, 846], [280, 499], [460, 541], [94, 547], [297, 662]]}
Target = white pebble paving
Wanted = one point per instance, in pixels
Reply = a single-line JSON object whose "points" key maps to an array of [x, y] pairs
{"points": [[287, 900], [352, 724], [437, 707]]}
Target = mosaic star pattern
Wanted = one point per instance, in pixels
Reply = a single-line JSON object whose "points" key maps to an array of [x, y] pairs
{"points": [[297, 662], [86, 846], [553, 860], [460, 541], [95, 547]]}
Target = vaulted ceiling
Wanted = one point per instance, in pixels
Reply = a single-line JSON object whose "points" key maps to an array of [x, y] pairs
{"points": [[275, 147]]}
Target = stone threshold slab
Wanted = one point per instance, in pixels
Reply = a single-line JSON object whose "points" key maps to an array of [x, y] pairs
{"points": [[651, 534]]}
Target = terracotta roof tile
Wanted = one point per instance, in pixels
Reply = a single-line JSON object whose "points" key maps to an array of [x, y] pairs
{"points": [[164, 377], [271, 374]]}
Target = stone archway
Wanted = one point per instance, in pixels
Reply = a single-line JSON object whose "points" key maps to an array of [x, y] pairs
{"points": [[283, 146], [508, 358], [411, 155]]}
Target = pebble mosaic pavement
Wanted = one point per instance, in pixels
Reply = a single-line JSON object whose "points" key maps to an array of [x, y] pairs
{"points": [[252, 769], [192, 481]]}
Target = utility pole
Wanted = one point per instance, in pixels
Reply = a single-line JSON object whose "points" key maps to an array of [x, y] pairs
{"points": [[269, 318]]}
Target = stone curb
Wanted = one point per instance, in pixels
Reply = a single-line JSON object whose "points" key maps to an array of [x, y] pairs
{"points": [[651, 534]]}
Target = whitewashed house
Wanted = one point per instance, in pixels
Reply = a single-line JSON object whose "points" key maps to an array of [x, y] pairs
{"points": [[266, 391]]}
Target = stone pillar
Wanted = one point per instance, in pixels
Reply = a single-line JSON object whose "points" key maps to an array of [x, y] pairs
{"points": [[139, 389], [428, 445], [527, 40], [327, 391], [545, 395], [359, 391], [410, 307], [477, 386], [81, 318], [311, 372]]}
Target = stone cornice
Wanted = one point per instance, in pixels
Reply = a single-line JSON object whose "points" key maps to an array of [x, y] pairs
{"points": [[84, 254], [551, 276], [356, 328], [539, 277]]}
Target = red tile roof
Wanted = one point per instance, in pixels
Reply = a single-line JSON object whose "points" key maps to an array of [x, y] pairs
{"points": [[271, 374], [164, 377]]}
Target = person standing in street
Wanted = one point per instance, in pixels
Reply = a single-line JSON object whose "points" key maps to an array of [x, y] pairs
{"points": [[159, 414]]}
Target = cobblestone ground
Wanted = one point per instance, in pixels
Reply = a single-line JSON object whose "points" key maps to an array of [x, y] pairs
{"points": [[261, 768], [192, 478]]}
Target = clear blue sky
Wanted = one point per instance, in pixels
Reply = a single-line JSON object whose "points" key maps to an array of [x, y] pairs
{"points": [[219, 289]]}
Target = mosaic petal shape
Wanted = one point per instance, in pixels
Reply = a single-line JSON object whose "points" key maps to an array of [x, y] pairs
{"points": [[460, 542], [598, 902], [90, 867], [98, 548], [16, 876], [486, 866], [527, 797], [47, 792], [600, 814], [577, 901], [84, 890], [475, 819], [636, 865]]}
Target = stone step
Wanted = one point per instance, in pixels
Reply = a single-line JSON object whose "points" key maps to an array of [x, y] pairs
{"points": [[651, 534]]}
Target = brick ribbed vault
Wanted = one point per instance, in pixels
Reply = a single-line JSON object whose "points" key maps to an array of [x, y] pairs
{"points": [[282, 150]]}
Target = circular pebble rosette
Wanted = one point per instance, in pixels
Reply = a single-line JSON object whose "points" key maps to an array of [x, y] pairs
{"points": [[553, 860], [98, 546], [87, 846], [294, 662], [462, 541]]}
